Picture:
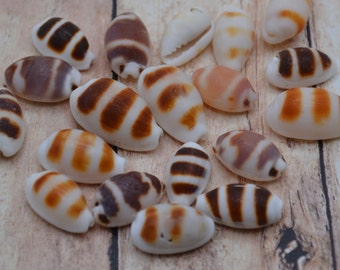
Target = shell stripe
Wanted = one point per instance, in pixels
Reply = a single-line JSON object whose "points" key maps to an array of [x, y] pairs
{"points": [[322, 107], [56, 150], [159, 187], [212, 198], [184, 188], [106, 163], [77, 208], [236, 52], [81, 159], [261, 201], [270, 152], [43, 180], [325, 60], [10, 105], [189, 119], [108, 200], [286, 64], [80, 49], [54, 197], [177, 215], [46, 27], [170, 94], [184, 168], [306, 61], [190, 151], [295, 17], [142, 127], [62, 36], [10, 128], [130, 53], [234, 194], [159, 74], [292, 105], [149, 232]]}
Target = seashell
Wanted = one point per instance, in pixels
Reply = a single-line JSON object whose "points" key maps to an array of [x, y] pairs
{"points": [[187, 173], [174, 101], [170, 229], [187, 34], [81, 155], [116, 113], [128, 45], [250, 155], [59, 201], [61, 38], [224, 89], [233, 39], [119, 198], [285, 19], [42, 78], [243, 206], [12, 124], [305, 113], [298, 67]]}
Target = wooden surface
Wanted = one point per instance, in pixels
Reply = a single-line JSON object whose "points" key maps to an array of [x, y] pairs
{"points": [[307, 237]]}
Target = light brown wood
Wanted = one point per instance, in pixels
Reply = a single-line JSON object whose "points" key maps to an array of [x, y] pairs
{"points": [[307, 237]]}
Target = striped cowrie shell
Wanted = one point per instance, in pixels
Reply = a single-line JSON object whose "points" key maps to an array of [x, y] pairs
{"points": [[305, 113], [81, 155], [243, 206], [250, 155], [119, 198], [116, 113], [299, 67], [58, 200], [170, 229], [12, 124], [42, 78], [224, 89], [186, 35], [234, 38], [61, 38], [187, 173], [174, 101], [127, 45], [285, 19]]}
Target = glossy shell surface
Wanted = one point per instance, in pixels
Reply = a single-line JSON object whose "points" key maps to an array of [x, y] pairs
{"points": [[174, 101], [243, 206], [299, 67], [186, 35], [61, 38], [42, 78], [127, 45], [12, 124], [81, 155], [305, 113], [285, 19], [58, 200], [116, 113], [170, 229], [187, 173], [119, 198], [224, 89], [250, 155], [233, 39]]}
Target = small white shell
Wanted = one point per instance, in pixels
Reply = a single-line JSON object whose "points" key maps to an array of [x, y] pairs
{"points": [[81, 155], [174, 101], [299, 67], [187, 173], [234, 38], [119, 198], [12, 124], [60, 38], [285, 19], [170, 229], [243, 206], [116, 113], [305, 113], [250, 155], [58, 200], [186, 36]]}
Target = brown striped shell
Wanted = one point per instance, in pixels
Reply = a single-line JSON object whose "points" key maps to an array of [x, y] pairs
{"points": [[58, 200], [12, 124], [250, 155], [127, 45], [61, 38], [42, 78], [81, 155], [120, 197], [243, 206], [116, 113]]}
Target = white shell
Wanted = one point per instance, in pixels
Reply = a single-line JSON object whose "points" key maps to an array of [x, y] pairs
{"points": [[119, 198], [187, 34], [58, 200], [116, 113], [250, 155], [170, 229], [174, 101], [285, 19], [187, 173], [12, 124], [81, 155], [305, 113], [234, 38], [243, 206], [299, 67]]}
